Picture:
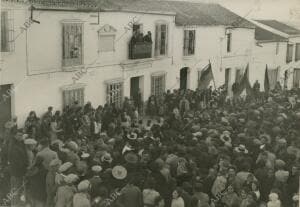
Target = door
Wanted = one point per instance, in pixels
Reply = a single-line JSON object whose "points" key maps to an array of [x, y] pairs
{"points": [[296, 82], [227, 79], [183, 78], [134, 89], [5, 105]]}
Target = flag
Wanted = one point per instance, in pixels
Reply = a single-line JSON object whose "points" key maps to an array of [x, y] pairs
{"points": [[244, 84], [267, 82], [206, 77]]}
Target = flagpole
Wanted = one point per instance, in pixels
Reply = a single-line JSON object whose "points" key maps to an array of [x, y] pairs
{"points": [[212, 75]]}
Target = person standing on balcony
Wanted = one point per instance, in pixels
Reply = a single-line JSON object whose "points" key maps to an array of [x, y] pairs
{"points": [[148, 37]]}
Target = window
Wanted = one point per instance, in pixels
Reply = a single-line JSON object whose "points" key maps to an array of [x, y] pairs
{"points": [[277, 48], [72, 95], [7, 31], [297, 55], [296, 81], [289, 53], [72, 44], [158, 84], [115, 93], [107, 43], [189, 42], [161, 39], [228, 38]]}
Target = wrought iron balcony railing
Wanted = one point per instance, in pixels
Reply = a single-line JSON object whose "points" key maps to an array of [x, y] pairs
{"points": [[140, 50]]}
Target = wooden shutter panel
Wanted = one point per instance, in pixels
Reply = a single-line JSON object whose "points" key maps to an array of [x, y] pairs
{"points": [[167, 39], [4, 31], [157, 39], [152, 85], [185, 42], [163, 84]]}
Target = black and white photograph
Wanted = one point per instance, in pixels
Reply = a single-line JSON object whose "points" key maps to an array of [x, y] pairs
{"points": [[150, 103]]}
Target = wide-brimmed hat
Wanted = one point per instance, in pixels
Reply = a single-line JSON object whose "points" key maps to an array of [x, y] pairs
{"points": [[197, 134], [64, 167], [224, 120], [279, 163], [96, 168], [282, 141], [241, 149], [132, 136], [83, 185], [106, 158], [71, 178], [131, 157], [225, 137], [30, 142], [119, 172], [85, 155], [195, 128], [72, 146]]}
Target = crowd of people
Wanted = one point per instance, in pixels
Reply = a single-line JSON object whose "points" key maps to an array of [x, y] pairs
{"points": [[186, 149]]}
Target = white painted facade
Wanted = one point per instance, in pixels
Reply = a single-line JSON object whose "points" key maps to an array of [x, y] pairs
{"points": [[272, 54], [35, 68], [267, 55], [211, 45]]}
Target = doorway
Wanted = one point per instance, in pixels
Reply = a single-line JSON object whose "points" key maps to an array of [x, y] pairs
{"points": [[136, 90], [183, 78], [5, 105], [227, 80]]}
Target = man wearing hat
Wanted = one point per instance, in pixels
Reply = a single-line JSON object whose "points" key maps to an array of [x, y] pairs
{"points": [[51, 186], [82, 198], [72, 149], [131, 195], [30, 144], [65, 193], [63, 171], [95, 181], [46, 153]]}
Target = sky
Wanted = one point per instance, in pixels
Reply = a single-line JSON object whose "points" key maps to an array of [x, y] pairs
{"points": [[282, 10]]}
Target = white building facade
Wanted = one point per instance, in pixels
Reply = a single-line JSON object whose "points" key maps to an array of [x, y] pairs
{"points": [[283, 55], [63, 55]]}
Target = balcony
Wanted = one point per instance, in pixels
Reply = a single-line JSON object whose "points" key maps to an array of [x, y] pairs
{"points": [[140, 50]]}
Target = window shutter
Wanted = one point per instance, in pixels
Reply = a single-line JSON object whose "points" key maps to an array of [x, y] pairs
{"points": [[199, 76], [152, 85], [163, 84], [185, 42], [157, 39], [296, 78], [107, 94], [192, 39], [4, 31], [166, 39], [297, 55]]}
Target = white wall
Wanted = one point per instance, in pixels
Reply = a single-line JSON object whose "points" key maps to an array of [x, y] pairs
{"points": [[211, 45], [41, 85], [265, 54], [35, 68]]}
